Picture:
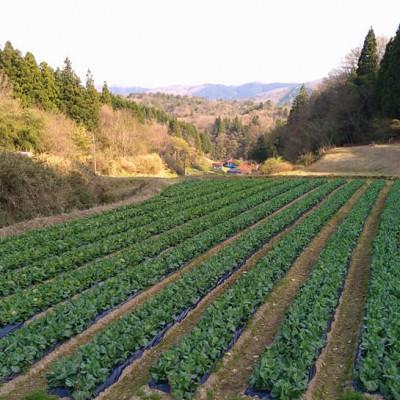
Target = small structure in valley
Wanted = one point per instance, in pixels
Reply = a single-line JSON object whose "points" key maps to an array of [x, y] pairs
{"points": [[217, 166]]}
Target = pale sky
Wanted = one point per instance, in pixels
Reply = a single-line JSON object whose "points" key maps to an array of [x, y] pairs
{"points": [[154, 43]]}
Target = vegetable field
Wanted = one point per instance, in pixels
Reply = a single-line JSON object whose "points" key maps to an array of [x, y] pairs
{"points": [[215, 289]]}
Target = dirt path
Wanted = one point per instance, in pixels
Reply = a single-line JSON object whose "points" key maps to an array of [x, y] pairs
{"points": [[145, 189], [35, 377], [232, 378], [334, 366]]}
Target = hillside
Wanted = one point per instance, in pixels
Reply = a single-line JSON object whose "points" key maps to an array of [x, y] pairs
{"points": [[381, 160], [203, 112], [278, 92], [61, 139]]}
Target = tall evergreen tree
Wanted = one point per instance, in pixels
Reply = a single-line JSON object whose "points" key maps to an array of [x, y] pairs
{"points": [[368, 63], [174, 128], [206, 144], [299, 104], [73, 96], [389, 79], [33, 91], [219, 126], [92, 103], [259, 152], [11, 63], [105, 97], [49, 85]]}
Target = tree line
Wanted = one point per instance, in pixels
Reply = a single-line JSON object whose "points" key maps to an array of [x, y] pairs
{"points": [[233, 138], [61, 89], [356, 105]]}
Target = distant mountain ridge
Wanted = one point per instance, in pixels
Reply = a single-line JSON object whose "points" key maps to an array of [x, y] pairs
{"points": [[278, 92]]}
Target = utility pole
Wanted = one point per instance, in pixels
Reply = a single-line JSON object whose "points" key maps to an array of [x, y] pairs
{"points": [[94, 153]]}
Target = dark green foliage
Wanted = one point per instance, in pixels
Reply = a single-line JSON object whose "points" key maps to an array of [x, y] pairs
{"points": [[50, 259], [92, 103], [368, 62], [51, 99], [190, 133], [219, 126], [206, 142], [174, 127], [389, 79], [377, 369], [199, 215], [24, 75], [32, 89], [75, 101], [160, 310], [233, 138], [365, 79], [348, 106], [38, 85], [132, 280], [184, 365], [10, 63], [284, 368], [299, 105], [260, 152]]}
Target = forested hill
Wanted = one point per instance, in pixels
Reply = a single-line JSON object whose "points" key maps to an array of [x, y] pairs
{"points": [[234, 126], [61, 89], [358, 104]]}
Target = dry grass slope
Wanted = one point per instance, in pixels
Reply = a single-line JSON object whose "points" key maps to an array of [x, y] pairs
{"points": [[368, 160]]}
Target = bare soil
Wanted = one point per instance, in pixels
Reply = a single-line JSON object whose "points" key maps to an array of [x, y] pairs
{"points": [[334, 366]]}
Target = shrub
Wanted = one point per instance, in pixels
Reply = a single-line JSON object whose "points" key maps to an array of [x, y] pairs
{"points": [[149, 164], [275, 165], [307, 159], [29, 187], [19, 129]]}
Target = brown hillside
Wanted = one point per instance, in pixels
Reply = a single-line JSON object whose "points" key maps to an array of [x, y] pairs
{"points": [[202, 112], [369, 160]]}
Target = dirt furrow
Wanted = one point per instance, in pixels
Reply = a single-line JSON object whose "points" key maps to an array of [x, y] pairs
{"points": [[232, 377], [334, 366], [137, 374], [35, 376]]}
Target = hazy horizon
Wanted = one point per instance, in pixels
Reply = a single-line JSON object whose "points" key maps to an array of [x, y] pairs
{"points": [[187, 43]]}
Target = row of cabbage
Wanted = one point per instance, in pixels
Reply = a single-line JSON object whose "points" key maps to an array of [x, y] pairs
{"points": [[94, 240], [378, 364], [164, 220], [286, 367], [61, 231], [85, 371], [184, 366], [172, 244], [21, 348]]}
